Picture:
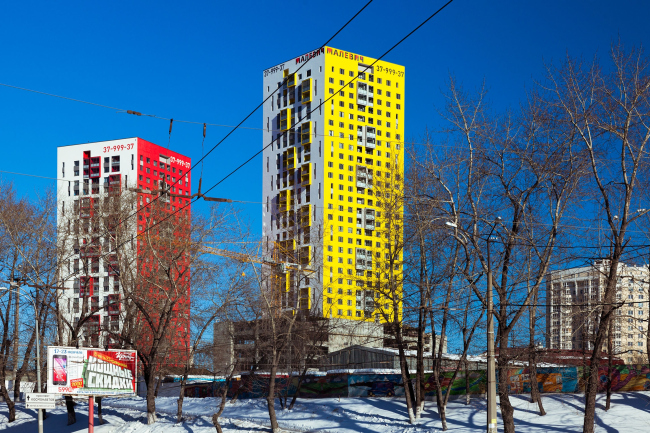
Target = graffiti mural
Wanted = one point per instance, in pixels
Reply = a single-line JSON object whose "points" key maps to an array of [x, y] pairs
{"points": [[375, 385], [624, 378], [549, 380], [477, 383], [332, 385]]}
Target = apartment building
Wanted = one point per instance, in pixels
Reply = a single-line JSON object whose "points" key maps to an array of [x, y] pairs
{"points": [[333, 157], [105, 193], [572, 311]]}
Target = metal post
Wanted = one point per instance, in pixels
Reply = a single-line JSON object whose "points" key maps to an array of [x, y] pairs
{"points": [[38, 368], [91, 414], [492, 390]]}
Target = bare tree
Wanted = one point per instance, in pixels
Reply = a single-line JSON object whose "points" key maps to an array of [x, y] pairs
{"points": [[608, 114], [520, 172], [28, 259], [156, 286], [215, 285], [388, 279]]}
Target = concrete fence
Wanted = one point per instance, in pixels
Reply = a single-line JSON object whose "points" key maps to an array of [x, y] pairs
{"points": [[549, 380]]}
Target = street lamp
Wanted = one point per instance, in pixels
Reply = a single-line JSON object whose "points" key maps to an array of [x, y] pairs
{"points": [[491, 373], [491, 367], [38, 347]]}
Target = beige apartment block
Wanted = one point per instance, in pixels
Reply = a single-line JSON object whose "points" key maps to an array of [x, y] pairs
{"points": [[574, 300]]}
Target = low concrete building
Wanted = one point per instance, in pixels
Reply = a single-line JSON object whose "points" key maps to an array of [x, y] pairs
{"points": [[359, 357], [243, 345]]}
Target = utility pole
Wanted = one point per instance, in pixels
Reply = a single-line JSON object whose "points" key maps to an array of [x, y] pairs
{"points": [[491, 373], [16, 334], [13, 287]]}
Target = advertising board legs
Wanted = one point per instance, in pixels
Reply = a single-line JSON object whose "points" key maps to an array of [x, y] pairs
{"points": [[91, 414]]}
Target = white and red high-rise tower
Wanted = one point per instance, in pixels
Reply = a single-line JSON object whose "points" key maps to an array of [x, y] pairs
{"points": [[90, 175]]}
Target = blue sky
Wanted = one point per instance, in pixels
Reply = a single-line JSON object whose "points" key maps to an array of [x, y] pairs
{"points": [[203, 61]]}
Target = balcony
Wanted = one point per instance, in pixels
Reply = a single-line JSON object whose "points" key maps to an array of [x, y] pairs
{"points": [[361, 184], [305, 174], [370, 225], [291, 80], [363, 265], [286, 119], [305, 133], [306, 91]]}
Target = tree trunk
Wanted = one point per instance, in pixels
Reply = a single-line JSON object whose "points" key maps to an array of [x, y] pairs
{"points": [[270, 398], [150, 380], [181, 396], [608, 400], [535, 397], [507, 411], [99, 410], [222, 406], [419, 374], [440, 402], [69, 405], [158, 382], [300, 380], [436, 377], [408, 388], [466, 383], [11, 406], [215, 422], [605, 319], [23, 368]]}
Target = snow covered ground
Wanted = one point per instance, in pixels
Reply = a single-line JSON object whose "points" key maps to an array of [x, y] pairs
{"points": [[630, 413]]}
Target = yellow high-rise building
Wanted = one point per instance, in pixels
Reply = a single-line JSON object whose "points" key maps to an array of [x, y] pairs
{"points": [[333, 176]]}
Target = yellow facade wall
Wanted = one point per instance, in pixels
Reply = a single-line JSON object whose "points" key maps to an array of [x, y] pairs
{"points": [[341, 149]]}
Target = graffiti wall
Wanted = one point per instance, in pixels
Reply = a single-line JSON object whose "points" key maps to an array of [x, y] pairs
{"points": [[624, 378], [476, 382], [332, 385], [375, 385], [555, 379]]}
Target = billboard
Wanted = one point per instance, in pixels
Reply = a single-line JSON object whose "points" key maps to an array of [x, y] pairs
{"points": [[87, 371]]}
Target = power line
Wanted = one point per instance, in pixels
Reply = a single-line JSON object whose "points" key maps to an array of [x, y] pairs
{"points": [[331, 96], [34, 175], [415, 198], [216, 145], [219, 143]]}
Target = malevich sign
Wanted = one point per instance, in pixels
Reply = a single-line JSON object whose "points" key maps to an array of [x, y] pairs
{"points": [[91, 372]]}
